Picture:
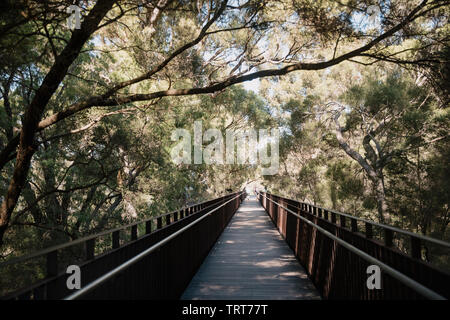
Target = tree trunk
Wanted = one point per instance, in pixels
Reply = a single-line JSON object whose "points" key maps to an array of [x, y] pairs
{"points": [[381, 201], [374, 174], [34, 112]]}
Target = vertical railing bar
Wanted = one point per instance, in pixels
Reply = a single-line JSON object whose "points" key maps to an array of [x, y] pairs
{"points": [[116, 239], [52, 263], [416, 251], [90, 248], [369, 231], [343, 221], [148, 227], [167, 219], [388, 237], [134, 232], [354, 225]]}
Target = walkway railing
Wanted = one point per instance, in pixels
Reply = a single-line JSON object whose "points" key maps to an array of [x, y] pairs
{"points": [[337, 256], [162, 274]]}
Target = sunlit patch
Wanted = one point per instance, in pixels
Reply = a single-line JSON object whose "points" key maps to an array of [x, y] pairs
{"points": [[271, 263]]}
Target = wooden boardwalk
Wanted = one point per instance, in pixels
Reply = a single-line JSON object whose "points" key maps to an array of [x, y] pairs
{"points": [[250, 261]]}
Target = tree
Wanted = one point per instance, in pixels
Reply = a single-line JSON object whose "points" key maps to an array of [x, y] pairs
{"points": [[228, 47]]}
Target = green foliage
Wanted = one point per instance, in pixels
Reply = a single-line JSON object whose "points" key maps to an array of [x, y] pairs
{"points": [[109, 164], [388, 112]]}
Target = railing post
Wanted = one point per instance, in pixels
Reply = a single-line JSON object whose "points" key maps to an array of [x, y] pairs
{"points": [[52, 264], [343, 221], [333, 217], [388, 237], [354, 225], [134, 232], [90, 247], [148, 226], [319, 210], [159, 223], [369, 232], [175, 216], [416, 251], [325, 214], [167, 219], [116, 239]]}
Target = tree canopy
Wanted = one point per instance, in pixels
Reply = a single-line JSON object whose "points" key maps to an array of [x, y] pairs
{"points": [[86, 115]]}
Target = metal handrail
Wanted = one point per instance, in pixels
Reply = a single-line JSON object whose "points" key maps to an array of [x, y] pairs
{"points": [[421, 289], [93, 236], [141, 255], [384, 226]]}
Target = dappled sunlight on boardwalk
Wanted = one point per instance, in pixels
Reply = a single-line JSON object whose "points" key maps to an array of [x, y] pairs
{"points": [[251, 261]]}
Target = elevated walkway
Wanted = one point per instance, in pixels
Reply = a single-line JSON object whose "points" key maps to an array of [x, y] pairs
{"points": [[250, 261]]}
